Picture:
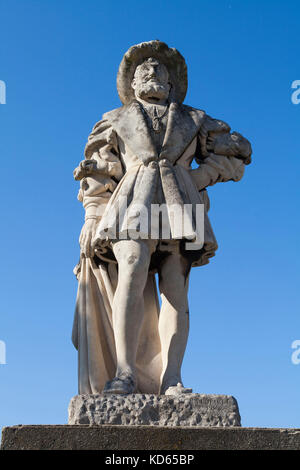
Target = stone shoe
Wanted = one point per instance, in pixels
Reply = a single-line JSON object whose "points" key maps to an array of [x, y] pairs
{"points": [[120, 385], [177, 390]]}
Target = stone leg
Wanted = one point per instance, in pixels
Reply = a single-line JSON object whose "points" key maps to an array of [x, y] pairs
{"points": [[133, 257], [173, 320]]}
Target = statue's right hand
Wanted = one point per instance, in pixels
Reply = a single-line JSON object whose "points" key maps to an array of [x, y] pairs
{"points": [[85, 239]]}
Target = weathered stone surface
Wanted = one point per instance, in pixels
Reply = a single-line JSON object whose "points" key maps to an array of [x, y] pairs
{"points": [[114, 438], [191, 409], [138, 157]]}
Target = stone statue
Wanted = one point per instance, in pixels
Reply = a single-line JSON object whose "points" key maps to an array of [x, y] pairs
{"points": [[140, 156]]}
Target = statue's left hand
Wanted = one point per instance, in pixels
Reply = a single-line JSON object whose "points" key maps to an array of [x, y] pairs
{"points": [[85, 239]]}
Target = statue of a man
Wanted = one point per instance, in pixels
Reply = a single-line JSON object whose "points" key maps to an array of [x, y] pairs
{"points": [[138, 156]]}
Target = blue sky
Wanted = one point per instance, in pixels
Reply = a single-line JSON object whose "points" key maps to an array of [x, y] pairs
{"points": [[59, 61]]}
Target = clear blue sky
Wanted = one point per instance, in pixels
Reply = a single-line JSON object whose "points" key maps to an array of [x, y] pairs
{"points": [[59, 59]]}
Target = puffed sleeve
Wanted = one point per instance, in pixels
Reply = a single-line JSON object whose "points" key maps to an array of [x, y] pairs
{"points": [[101, 170], [222, 155]]}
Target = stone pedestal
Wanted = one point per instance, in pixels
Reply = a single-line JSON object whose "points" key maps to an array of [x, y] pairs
{"points": [[190, 409], [153, 438], [150, 422]]}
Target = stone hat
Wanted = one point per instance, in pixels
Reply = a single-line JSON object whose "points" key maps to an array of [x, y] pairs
{"points": [[170, 57]]}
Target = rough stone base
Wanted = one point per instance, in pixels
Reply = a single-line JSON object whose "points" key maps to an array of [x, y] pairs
{"points": [[84, 437], [190, 409]]}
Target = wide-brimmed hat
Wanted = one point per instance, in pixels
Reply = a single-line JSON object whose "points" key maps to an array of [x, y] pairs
{"points": [[170, 57]]}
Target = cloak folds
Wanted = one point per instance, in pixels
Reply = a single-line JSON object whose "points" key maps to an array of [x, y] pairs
{"points": [[93, 334]]}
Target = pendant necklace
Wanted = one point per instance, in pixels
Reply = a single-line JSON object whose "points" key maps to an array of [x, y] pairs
{"points": [[152, 112], [156, 119]]}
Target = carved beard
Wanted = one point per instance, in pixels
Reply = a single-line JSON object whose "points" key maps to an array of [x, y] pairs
{"points": [[152, 89]]}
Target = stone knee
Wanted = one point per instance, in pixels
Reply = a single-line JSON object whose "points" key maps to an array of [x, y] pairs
{"points": [[133, 262]]}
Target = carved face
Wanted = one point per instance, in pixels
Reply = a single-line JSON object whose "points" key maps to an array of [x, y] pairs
{"points": [[151, 81]]}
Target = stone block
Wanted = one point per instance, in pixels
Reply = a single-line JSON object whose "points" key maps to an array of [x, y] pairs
{"points": [[114, 438], [190, 409]]}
